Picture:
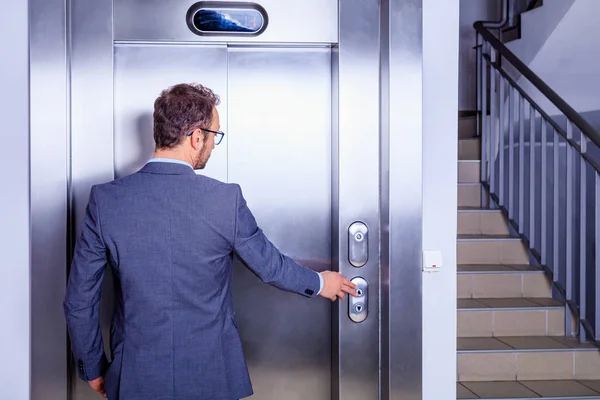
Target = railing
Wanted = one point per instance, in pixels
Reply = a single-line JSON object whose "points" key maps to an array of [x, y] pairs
{"points": [[544, 172]]}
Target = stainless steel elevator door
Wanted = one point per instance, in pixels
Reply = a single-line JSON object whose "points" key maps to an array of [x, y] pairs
{"points": [[141, 72], [276, 112], [280, 153]]}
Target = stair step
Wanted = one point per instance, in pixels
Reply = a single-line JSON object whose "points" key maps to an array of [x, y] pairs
{"points": [[491, 249], [506, 317], [469, 171], [469, 195], [481, 221], [485, 237], [469, 149], [510, 344], [495, 269], [467, 126], [499, 281], [526, 359], [556, 390]]}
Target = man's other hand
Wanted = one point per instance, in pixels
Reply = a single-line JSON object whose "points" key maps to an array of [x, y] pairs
{"points": [[98, 386], [335, 285]]}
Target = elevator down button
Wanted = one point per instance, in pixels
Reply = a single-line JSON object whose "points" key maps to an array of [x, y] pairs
{"points": [[358, 306]]}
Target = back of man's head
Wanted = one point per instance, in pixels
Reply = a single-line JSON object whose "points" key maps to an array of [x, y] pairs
{"points": [[180, 109]]}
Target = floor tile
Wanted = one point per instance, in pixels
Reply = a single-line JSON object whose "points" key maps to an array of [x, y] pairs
{"points": [[496, 390], [488, 343], [471, 208], [508, 303], [527, 268], [520, 322], [587, 365], [573, 342], [485, 268], [464, 393], [474, 323], [485, 237], [533, 342], [555, 323], [486, 366], [559, 388], [546, 302], [470, 303], [546, 365], [594, 385]]}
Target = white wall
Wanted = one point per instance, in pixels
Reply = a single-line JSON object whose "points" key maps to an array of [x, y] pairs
{"points": [[470, 12], [440, 149], [537, 26], [14, 202], [569, 60]]}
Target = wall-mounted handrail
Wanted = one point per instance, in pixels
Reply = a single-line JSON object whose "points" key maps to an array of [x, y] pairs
{"points": [[572, 115]]}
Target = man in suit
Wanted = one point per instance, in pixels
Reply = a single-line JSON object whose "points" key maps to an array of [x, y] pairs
{"points": [[169, 236]]}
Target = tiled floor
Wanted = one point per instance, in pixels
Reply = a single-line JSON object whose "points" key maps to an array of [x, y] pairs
{"points": [[529, 390]]}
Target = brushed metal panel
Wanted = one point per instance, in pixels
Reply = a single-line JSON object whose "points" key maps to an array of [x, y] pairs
{"points": [[49, 166], [91, 107], [280, 153], [141, 73], [15, 230], [308, 21], [356, 358], [402, 209]]}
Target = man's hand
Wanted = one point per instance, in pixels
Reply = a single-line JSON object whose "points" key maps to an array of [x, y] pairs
{"points": [[98, 386], [334, 286]]}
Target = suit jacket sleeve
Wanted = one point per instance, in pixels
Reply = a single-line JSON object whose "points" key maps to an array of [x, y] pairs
{"points": [[265, 260], [83, 296]]}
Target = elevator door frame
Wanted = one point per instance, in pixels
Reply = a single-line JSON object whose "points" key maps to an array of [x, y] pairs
{"points": [[59, 44], [355, 149]]}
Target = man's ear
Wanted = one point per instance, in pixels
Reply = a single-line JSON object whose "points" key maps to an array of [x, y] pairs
{"points": [[197, 140]]}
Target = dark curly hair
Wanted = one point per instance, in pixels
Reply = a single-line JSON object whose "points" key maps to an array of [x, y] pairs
{"points": [[181, 109]]}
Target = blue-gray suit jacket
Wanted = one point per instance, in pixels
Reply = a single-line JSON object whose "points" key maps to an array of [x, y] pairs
{"points": [[169, 236]]}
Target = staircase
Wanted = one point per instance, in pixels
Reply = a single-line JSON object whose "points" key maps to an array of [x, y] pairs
{"points": [[512, 342]]}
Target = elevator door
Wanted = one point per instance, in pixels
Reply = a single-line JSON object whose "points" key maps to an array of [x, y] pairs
{"points": [[276, 112]]}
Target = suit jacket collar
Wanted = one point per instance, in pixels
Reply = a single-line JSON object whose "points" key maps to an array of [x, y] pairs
{"points": [[167, 168]]}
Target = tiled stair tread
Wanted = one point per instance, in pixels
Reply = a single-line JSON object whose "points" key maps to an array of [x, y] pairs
{"points": [[498, 269], [466, 304], [463, 237], [522, 344], [529, 390], [477, 209]]}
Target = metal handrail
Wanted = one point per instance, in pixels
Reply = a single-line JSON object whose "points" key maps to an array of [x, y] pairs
{"points": [[549, 231], [557, 128], [586, 129]]}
